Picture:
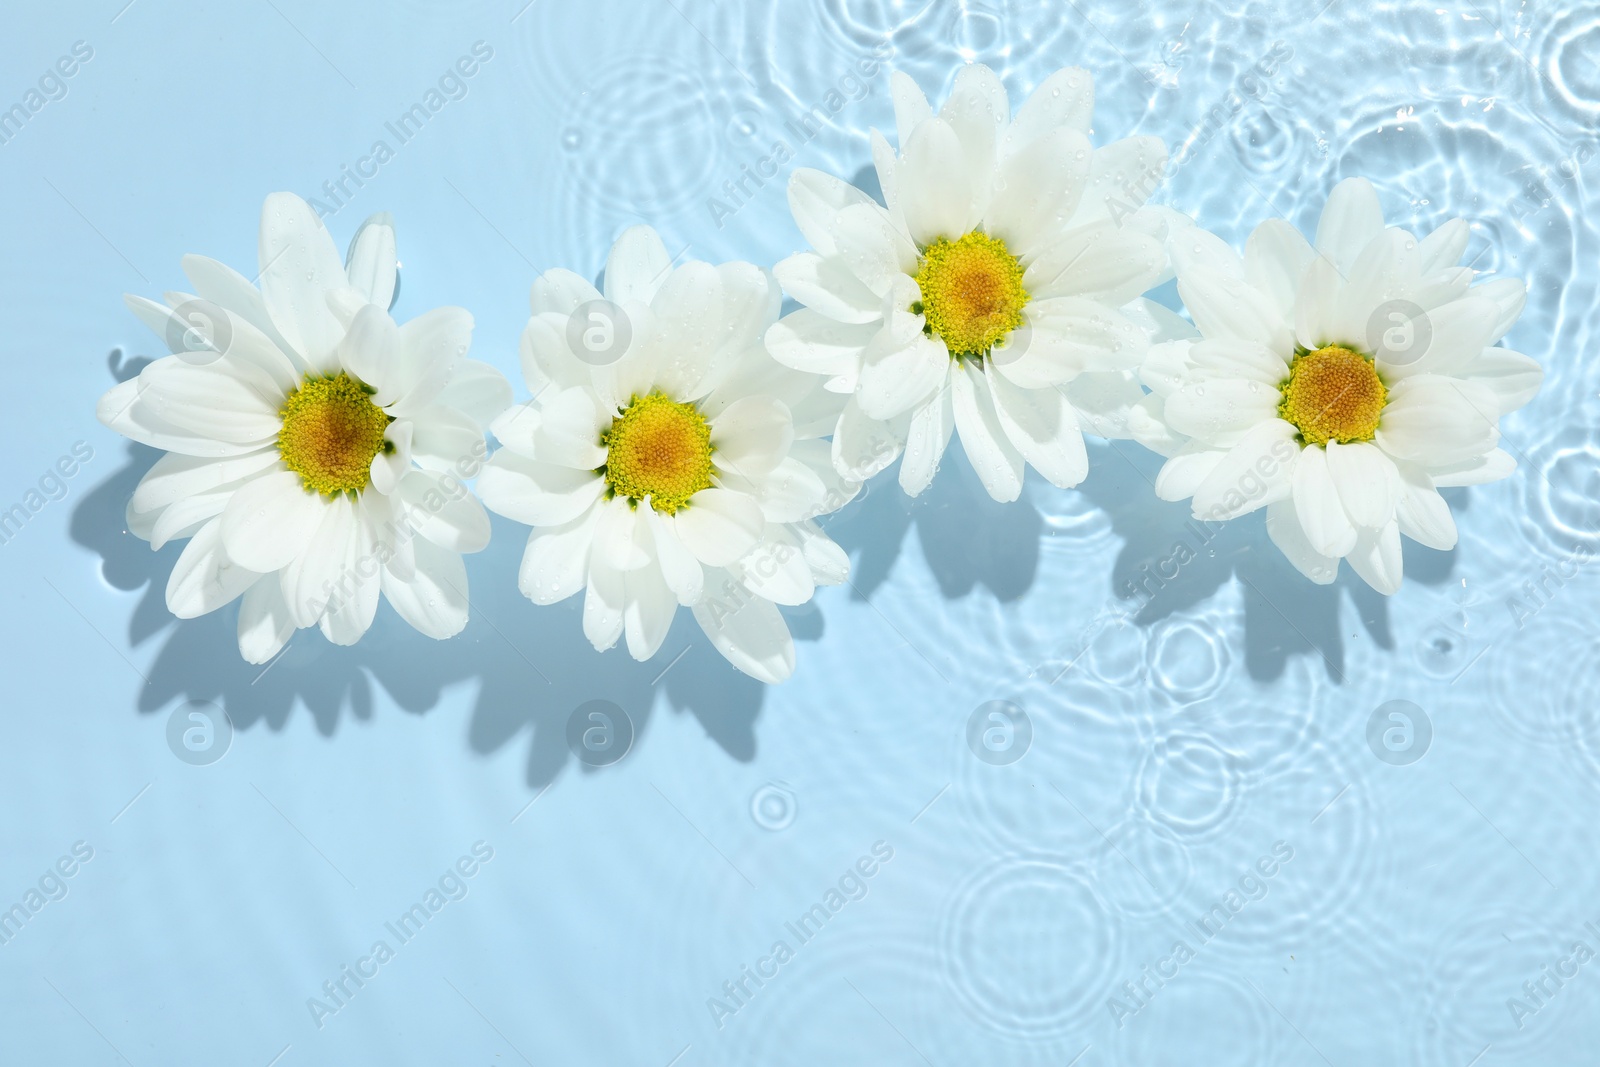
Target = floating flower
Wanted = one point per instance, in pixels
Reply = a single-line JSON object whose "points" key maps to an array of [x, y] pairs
{"points": [[315, 449], [990, 298], [679, 466], [1339, 386]]}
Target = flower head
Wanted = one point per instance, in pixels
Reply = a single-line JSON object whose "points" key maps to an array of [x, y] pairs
{"points": [[684, 469], [1339, 385], [993, 295], [315, 449]]}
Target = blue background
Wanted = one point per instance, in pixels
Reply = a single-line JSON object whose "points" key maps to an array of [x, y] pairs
{"points": [[1174, 741]]}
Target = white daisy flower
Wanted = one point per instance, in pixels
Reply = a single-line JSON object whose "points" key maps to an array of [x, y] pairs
{"points": [[1339, 386], [987, 298], [684, 471], [316, 460]]}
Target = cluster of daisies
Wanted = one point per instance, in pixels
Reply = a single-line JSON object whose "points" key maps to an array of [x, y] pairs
{"points": [[682, 439]]}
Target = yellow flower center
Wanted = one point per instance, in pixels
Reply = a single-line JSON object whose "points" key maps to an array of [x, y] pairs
{"points": [[331, 431], [1333, 394], [657, 448], [972, 294]]}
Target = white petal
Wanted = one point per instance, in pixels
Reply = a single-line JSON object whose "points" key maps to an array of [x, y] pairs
{"points": [[827, 285], [1478, 470], [1509, 295], [998, 463], [1217, 411], [777, 569], [120, 409], [299, 266], [1147, 425], [1458, 331], [1513, 377], [570, 424], [545, 356], [517, 427], [1257, 471], [869, 244], [603, 602], [432, 345], [1122, 176], [1317, 505], [648, 610], [445, 440], [829, 563], [1223, 303], [176, 477], [222, 401], [372, 264], [1376, 558], [226, 287], [863, 446], [1315, 306], [752, 435], [679, 569], [434, 600], [719, 526], [1422, 513], [1240, 360], [1181, 475], [186, 516], [977, 110], [1350, 219], [1107, 264], [637, 266], [688, 328], [910, 105], [1043, 427], [621, 541], [561, 292], [311, 580], [898, 373], [931, 426], [264, 621], [539, 494], [750, 633], [1385, 270], [815, 200], [205, 577], [556, 561], [1275, 257], [1283, 526], [810, 341], [478, 391], [1445, 246], [1438, 421], [935, 187], [1066, 336], [369, 351], [270, 521], [1064, 99], [1367, 481], [444, 511], [1037, 190]]}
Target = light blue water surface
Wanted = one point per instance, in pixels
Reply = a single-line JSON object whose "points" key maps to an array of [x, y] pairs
{"points": [[1183, 746]]}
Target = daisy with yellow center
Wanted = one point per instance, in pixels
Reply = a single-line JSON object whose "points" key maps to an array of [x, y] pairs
{"points": [[1339, 385], [995, 294], [315, 455], [686, 473], [331, 433], [971, 294]]}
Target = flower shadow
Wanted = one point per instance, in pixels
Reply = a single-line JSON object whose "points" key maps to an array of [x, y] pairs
{"points": [[1170, 562], [532, 667], [967, 538]]}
